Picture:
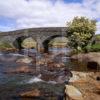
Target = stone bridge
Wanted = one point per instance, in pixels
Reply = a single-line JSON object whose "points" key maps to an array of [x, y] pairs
{"points": [[41, 35]]}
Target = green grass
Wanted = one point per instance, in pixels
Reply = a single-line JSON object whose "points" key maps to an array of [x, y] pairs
{"points": [[5, 45], [97, 36], [95, 47]]}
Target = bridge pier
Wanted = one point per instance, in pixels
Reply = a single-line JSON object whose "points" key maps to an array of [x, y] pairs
{"points": [[40, 48], [39, 45]]}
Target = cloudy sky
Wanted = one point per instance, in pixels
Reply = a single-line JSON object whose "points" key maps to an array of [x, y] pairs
{"points": [[19, 14]]}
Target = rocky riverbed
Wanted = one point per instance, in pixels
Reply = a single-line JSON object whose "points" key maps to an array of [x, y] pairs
{"points": [[84, 86], [44, 77]]}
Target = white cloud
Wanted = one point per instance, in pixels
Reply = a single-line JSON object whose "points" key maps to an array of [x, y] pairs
{"points": [[45, 13]]}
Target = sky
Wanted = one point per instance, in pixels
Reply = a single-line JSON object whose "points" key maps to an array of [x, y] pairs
{"points": [[20, 14]]}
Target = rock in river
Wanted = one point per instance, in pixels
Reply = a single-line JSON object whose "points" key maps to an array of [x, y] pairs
{"points": [[32, 93], [73, 93], [78, 77], [26, 60]]}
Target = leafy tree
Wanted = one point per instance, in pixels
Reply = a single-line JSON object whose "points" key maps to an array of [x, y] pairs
{"points": [[80, 31]]}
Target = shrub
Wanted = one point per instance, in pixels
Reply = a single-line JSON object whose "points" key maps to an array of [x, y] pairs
{"points": [[80, 32]]}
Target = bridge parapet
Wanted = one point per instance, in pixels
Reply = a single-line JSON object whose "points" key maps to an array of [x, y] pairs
{"points": [[39, 31]]}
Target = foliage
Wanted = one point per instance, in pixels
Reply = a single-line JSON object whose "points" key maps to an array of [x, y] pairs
{"points": [[80, 31]]}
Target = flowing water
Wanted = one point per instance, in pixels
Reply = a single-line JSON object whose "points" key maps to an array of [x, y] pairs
{"points": [[50, 83]]}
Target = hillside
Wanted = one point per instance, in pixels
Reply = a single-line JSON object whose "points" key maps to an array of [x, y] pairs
{"points": [[97, 38]]}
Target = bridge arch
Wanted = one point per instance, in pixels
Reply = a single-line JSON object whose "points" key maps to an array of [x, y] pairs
{"points": [[19, 41], [47, 41]]}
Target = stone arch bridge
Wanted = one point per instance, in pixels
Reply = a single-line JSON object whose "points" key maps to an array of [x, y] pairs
{"points": [[41, 35]]}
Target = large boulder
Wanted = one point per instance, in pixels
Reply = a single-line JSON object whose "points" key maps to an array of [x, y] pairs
{"points": [[79, 77], [41, 61], [32, 93], [26, 60], [92, 57], [73, 93]]}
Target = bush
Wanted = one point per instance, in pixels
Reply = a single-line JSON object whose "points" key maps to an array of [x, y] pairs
{"points": [[80, 32]]}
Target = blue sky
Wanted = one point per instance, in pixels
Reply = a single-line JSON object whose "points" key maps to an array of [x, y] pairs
{"points": [[19, 14], [68, 1]]}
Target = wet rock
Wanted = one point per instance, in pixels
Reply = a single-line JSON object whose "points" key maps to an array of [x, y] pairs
{"points": [[64, 76], [41, 61], [61, 65], [53, 65], [32, 93], [78, 77], [26, 60], [21, 69], [73, 93], [58, 65]]}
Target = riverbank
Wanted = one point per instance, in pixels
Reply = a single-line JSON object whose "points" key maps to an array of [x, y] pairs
{"points": [[85, 86], [87, 57]]}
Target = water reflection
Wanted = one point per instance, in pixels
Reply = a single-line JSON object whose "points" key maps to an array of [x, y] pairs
{"points": [[56, 50]]}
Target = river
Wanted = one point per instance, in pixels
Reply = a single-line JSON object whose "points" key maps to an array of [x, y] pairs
{"points": [[48, 82]]}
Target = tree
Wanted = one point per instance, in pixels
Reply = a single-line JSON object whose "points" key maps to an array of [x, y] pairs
{"points": [[80, 32]]}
